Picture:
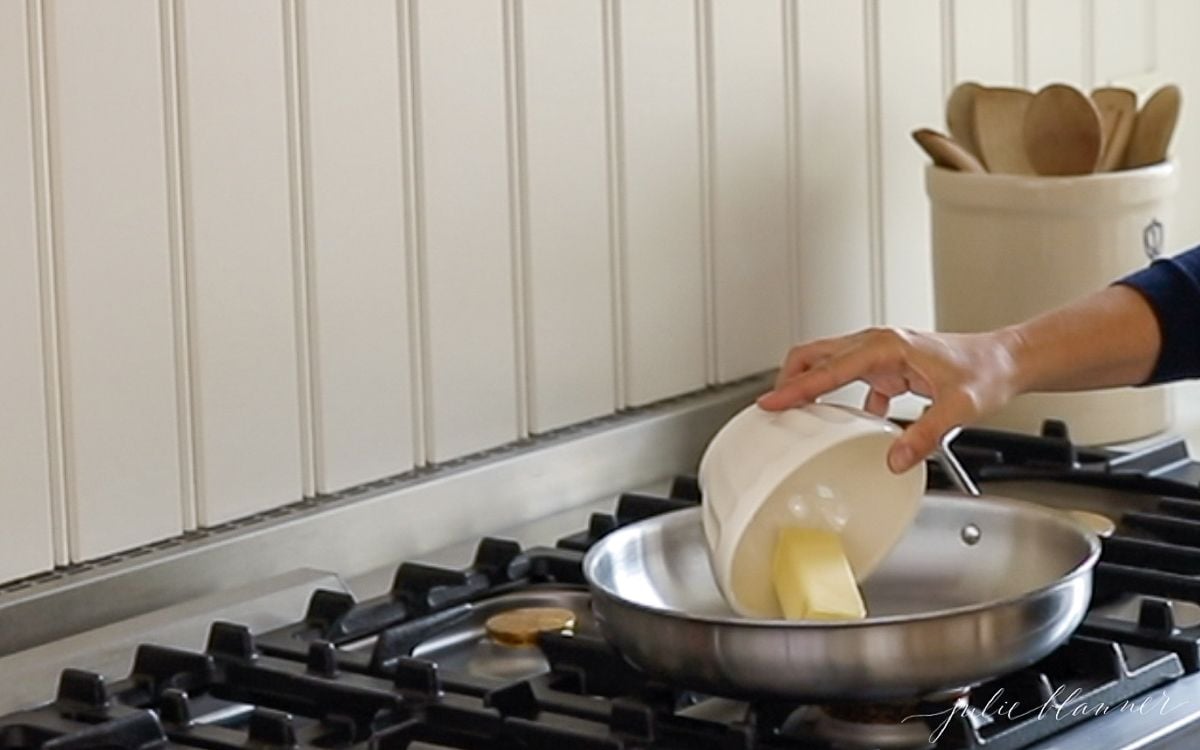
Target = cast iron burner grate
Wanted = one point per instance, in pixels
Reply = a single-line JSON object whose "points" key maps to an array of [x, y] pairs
{"points": [[247, 691], [345, 675], [996, 456]]}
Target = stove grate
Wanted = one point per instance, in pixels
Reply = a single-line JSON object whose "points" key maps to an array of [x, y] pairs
{"points": [[345, 675]]}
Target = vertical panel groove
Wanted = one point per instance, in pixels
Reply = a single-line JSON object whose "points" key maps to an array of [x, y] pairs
{"points": [[1021, 41], [417, 320], [297, 175], [419, 244], [791, 101], [54, 201], [708, 181], [614, 109], [797, 166], [949, 74], [518, 205], [48, 280], [181, 285], [307, 310], [874, 158]]}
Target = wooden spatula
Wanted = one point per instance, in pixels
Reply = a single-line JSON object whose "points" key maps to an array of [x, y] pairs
{"points": [[1117, 141], [960, 115], [1114, 97], [1062, 132], [999, 124], [947, 152], [1118, 109], [1153, 128]]}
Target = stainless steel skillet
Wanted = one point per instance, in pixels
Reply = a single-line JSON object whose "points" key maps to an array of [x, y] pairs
{"points": [[977, 587]]}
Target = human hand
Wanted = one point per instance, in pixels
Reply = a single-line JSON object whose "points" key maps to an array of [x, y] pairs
{"points": [[966, 376]]}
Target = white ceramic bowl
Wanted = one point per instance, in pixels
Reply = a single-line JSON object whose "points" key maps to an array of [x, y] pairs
{"points": [[822, 465]]}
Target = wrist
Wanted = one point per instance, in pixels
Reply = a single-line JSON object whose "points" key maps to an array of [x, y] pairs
{"points": [[1024, 363]]}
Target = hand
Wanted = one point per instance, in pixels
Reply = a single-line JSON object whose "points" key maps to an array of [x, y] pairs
{"points": [[967, 376]]}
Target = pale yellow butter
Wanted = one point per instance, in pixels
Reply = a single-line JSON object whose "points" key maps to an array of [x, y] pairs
{"points": [[813, 579]]}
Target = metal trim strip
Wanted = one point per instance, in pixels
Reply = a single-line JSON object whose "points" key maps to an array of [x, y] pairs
{"points": [[381, 523]]}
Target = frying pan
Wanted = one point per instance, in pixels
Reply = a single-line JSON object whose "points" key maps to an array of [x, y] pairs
{"points": [[978, 586]]}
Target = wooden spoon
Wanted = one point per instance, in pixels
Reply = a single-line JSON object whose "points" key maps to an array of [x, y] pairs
{"points": [[1118, 109], [999, 120], [947, 152], [960, 115], [1115, 96], [1062, 132], [1153, 128]]}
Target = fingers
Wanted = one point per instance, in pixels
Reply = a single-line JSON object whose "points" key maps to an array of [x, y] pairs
{"points": [[800, 358], [958, 372], [877, 403], [922, 436], [825, 376]]}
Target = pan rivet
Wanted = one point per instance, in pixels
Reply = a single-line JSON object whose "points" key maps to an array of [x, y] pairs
{"points": [[971, 535]]}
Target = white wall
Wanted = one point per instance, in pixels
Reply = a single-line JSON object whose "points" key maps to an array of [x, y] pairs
{"points": [[252, 250]]}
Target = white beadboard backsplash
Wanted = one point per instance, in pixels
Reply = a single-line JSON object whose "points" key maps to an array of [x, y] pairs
{"points": [[253, 250]]}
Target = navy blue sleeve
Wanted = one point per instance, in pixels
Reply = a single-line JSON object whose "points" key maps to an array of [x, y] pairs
{"points": [[1172, 287]]}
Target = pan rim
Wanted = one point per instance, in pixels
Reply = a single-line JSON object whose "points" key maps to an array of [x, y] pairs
{"points": [[1084, 567]]}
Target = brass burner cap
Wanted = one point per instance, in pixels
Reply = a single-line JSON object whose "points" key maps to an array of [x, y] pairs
{"points": [[1101, 525], [520, 627]]}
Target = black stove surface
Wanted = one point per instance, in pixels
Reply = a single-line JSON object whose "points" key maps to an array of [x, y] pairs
{"points": [[413, 668]]}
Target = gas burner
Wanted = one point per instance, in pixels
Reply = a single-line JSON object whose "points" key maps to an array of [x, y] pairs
{"points": [[471, 647], [874, 727], [902, 725]]}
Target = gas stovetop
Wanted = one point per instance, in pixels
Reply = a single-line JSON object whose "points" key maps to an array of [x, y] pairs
{"points": [[415, 667]]}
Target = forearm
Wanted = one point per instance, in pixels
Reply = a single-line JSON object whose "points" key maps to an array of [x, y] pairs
{"points": [[1110, 338]]}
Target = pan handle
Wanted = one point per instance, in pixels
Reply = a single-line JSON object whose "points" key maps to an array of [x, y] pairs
{"points": [[953, 467]]}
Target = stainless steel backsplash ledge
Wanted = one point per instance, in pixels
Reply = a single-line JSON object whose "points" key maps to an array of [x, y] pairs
{"points": [[381, 523]]}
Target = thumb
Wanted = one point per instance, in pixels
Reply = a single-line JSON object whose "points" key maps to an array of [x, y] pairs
{"points": [[922, 437]]}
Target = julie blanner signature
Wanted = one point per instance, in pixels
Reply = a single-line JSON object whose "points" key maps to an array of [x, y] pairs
{"points": [[1060, 705]]}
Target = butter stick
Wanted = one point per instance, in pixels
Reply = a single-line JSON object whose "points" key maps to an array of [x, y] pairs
{"points": [[813, 580]]}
